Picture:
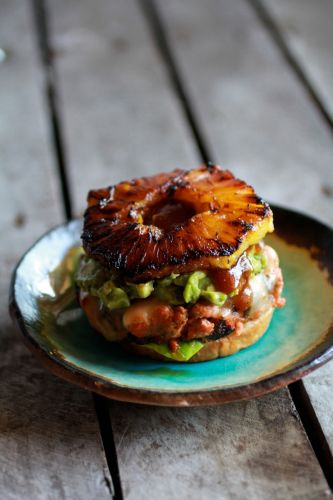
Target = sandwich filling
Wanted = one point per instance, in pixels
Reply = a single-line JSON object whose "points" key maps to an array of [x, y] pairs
{"points": [[176, 315]]}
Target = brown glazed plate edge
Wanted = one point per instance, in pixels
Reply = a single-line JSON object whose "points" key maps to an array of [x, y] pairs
{"points": [[68, 372]]}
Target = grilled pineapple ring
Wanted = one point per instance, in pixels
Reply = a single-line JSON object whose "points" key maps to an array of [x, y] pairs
{"points": [[177, 222]]}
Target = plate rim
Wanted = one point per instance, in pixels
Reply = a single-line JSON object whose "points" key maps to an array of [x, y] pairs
{"points": [[202, 397]]}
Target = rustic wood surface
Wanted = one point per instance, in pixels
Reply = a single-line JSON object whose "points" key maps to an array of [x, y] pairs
{"points": [[308, 31], [252, 450], [123, 118], [259, 118], [309, 34], [155, 456], [49, 437], [111, 85]]}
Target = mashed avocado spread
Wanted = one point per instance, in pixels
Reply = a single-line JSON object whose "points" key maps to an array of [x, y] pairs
{"points": [[175, 289]]}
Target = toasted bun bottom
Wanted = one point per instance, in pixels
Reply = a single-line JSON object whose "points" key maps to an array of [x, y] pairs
{"points": [[252, 331]]}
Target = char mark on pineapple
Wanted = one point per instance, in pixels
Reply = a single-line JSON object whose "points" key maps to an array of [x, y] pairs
{"points": [[119, 221]]}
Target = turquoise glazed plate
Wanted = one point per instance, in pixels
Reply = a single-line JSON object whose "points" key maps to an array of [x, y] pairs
{"points": [[299, 339]]}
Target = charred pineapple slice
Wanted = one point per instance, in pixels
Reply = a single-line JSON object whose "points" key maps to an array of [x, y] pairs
{"points": [[177, 222]]}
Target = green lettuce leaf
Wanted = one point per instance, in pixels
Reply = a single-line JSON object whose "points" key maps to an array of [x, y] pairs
{"points": [[185, 351]]}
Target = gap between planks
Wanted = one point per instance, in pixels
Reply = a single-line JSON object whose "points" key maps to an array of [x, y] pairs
{"points": [[159, 36], [156, 24], [313, 429], [267, 19], [46, 56], [55, 123], [102, 411], [297, 390]]}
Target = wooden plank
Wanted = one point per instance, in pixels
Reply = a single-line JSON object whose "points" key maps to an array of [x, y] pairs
{"points": [[259, 119], [243, 450], [113, 93], [251, 450], [49, 436], [308, 32], [319, 388]]}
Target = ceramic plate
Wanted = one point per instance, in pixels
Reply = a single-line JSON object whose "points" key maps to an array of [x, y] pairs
{"points": [[299, 339]]}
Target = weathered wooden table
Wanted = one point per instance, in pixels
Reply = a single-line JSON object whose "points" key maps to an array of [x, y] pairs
{"points": [[93, 92]]}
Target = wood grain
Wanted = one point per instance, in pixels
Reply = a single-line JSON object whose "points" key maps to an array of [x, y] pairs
{"points": [[258, 116], [49, 437], [319, 386], [119, 119], [116, 81], [308, 32], [249, 450]]}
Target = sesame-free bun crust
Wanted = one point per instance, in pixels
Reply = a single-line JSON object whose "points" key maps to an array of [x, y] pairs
{"points": [[251, 332]]}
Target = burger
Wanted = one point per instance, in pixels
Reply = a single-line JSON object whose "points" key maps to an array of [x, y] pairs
{"points": [[174, 265]]}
